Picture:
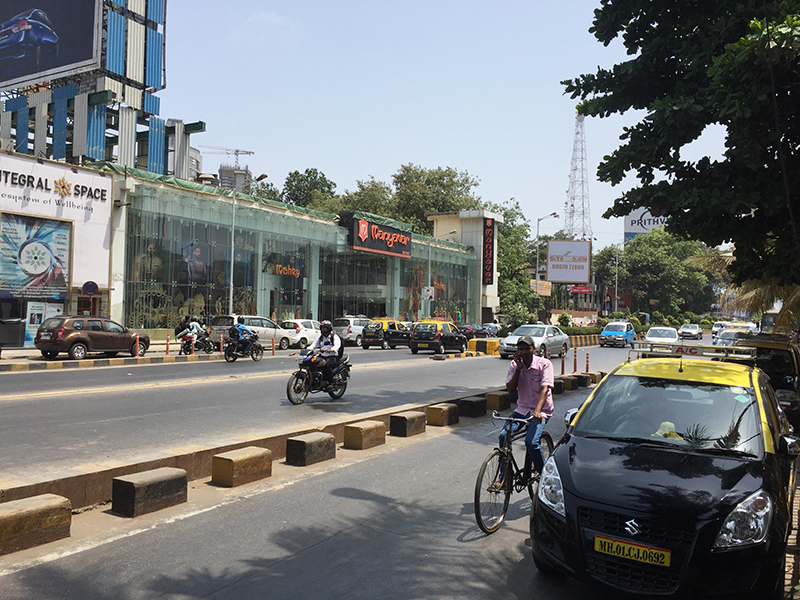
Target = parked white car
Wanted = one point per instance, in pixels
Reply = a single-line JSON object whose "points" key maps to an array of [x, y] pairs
{"points": [[265, 327], [350, 328], [306, 331], [546, 338]]}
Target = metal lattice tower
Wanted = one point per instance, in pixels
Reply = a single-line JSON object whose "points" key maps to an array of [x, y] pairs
{"points": [[578, 216]]}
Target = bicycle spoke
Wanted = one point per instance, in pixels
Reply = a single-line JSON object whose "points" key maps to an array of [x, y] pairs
{"points": [[492, 492]]}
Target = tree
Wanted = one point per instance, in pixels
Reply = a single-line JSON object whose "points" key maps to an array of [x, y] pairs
{"points": [[370, 196], [694, 64], [420, 192], [261, 189], [655, 269], [298, 187]]}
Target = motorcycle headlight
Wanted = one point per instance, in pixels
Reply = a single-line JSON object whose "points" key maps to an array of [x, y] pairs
{"points": [[551, 493], [748, 523]]}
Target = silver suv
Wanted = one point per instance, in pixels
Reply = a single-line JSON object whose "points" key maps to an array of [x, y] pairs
{"points": [[350, 328]]}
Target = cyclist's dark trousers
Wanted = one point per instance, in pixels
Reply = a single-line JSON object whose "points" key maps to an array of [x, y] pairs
{"points": [[534, 450], [327, 368]]}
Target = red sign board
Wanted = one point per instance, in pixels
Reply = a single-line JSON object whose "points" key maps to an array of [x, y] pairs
{"points": [[581, 289]]}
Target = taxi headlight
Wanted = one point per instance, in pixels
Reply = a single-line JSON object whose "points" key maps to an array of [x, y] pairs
{"points": [[551, 493], [748, 523]]}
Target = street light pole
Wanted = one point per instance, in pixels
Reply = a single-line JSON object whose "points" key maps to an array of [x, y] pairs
{"points": [[616, 280], [553, 215]]}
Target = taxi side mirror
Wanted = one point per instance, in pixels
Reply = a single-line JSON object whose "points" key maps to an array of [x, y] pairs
{"points": [[570, 416], [789, 445]]}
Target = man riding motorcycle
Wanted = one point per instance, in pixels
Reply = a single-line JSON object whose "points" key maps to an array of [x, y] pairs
{"points": [[329, 346], [244, 336]]}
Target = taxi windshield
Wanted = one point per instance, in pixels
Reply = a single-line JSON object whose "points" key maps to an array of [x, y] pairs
{"points": [[700, 416], [615, 327]]}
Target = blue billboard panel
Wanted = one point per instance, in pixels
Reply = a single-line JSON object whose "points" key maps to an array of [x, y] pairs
{"points": [[44, 39]]}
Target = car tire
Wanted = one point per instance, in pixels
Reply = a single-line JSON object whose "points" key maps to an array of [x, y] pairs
{"points": [[393, 346], [440, 348], [543, 351], [302, 343], [142, 349], [78, 351], [49, 353], [283, 344], [365, 346], [414, 350], [358, 340], [384, 345], [463, 347], [564, 351]]}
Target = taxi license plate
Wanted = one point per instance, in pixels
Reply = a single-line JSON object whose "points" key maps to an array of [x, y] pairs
{"points": [[422, 345], [637, 552]]}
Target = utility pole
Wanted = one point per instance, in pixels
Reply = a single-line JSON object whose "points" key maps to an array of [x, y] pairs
{"points": [[578, 219]]}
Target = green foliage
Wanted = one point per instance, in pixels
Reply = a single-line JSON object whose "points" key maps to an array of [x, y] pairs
{"points": [[261, 189], [691, 65], [299, 187], [420, 192], [706, 324], [657, 318], [602, 322], [518, 314], [564, 320], [618, 315]]}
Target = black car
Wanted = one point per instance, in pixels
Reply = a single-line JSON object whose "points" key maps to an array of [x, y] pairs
{"points": [[674, 478], [439, 336], [474, 330], [385, 333]]}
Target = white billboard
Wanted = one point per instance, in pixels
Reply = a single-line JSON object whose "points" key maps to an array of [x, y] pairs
{"points": [[56, 226], [641, 221], [569, 261]]}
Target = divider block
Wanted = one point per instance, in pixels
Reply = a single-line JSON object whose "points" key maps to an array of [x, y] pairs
{"points": [[583, 379], [310, 448], [570, 382], [474, 406], [558, 386], [442, 414], [238, 467], [33, 521], [406, 424], [141, 493], [498, 400], [364, 435]]}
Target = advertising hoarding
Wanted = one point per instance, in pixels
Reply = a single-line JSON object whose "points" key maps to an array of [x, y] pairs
{"points": [[47, 39], [569, 261], [487, 268], [373, 237], [641, 221], [47, 198]]}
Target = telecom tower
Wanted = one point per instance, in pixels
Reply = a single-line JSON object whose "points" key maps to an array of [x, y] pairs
{"points": [[578, 221]]}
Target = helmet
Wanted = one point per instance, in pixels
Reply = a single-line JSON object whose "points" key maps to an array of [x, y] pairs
{"points": [[194, 319], [240, 320], [325, 326]]}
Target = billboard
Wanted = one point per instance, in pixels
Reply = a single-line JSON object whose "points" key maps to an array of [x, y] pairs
{"points": [[374, 237], [641, 221], [50, 200], [487, 260], [45, 39], [569, 262]]}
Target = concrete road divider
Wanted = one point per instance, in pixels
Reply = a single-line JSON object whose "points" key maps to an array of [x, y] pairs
{"points": [[364, 435], [33, 521], [241, 466], [406, 424], [474, 406], [310, 448], [148, 491], [441, 415]]}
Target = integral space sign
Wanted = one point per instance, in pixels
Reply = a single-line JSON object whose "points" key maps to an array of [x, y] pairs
{"points": [[487, 262], [51, 196], [569, 261], [381, 239]]}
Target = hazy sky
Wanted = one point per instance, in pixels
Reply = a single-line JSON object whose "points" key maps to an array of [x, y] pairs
{"points": [[358, 88]]}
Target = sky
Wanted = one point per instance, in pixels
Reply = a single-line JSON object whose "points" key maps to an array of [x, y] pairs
{"points": [[356, 89]]}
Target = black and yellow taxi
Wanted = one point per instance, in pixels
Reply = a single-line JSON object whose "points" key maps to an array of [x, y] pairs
{"points": [[438, 336], [674, 478], [385, 333]]}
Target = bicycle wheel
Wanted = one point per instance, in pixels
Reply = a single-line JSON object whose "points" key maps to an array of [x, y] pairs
{"points": [[491, 501]]}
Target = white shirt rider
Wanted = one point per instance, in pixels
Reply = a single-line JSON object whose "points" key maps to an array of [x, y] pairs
{"points": [[327, 345]]}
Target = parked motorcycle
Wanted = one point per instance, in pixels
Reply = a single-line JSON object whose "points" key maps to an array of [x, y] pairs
{"points": [[200, 345], [231, 349], [308, 378]]}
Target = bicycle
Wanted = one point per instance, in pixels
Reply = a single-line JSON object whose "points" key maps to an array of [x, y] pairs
{"points": [[493, 490]]}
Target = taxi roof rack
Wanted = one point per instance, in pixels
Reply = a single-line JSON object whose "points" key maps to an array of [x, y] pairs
{"points": [[677, 350]]}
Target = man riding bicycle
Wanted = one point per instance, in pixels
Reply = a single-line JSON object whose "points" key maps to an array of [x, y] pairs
{"points": [[531, 376]]}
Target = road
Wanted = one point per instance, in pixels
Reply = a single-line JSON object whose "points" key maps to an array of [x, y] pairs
{"points": [[52, 421]]}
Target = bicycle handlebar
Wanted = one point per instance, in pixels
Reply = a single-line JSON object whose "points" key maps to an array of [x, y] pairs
{"points": [[496, 415]]}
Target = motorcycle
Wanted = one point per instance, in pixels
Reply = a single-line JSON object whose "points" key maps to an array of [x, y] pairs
{"points": [[231, 349], [200, 344], [308, 378]]}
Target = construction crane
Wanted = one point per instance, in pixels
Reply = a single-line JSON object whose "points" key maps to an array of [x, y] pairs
{"points": [[228, 151], [578, 220]]}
